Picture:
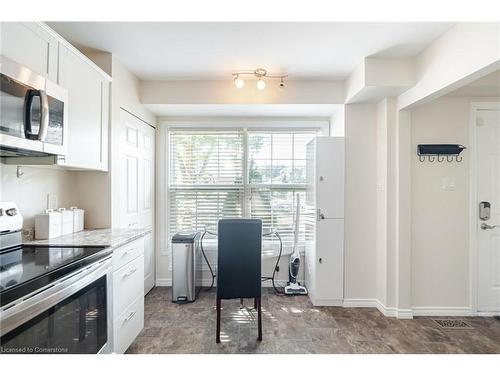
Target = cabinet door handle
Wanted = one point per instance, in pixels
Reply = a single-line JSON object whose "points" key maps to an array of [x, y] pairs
{"points": [[130, 272], [128, 252], [130, 316]]}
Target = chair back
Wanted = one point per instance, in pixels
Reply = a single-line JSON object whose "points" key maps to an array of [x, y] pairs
{"points": [[239, 258]]}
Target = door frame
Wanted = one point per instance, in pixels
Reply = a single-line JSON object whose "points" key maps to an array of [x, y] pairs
{"points": [[473, 216]]}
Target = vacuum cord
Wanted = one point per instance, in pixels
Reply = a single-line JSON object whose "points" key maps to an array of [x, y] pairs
{"points": [[206, 260], [272, 278]]}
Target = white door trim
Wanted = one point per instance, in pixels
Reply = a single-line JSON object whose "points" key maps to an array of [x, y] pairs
{"points": [[473, 216]]}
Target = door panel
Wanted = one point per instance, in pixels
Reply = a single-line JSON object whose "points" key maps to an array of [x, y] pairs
{"points": [[329, 263], [330, 176], [85, 117], [28, 45], [149, 262], [137, 141], [132, 191], [488, 155]]}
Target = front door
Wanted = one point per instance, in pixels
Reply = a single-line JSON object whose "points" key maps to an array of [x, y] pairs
{"points": [[488, 190]]}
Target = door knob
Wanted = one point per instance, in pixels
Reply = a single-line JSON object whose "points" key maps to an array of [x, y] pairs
{"points": [[485, 226]]}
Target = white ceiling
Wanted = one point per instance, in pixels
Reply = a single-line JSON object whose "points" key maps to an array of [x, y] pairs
{"points": [[487, 86], [198, 50]]}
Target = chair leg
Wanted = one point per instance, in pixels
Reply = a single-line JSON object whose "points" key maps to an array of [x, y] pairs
{"points": [[259, 317], [217, 333], [255, 303]]}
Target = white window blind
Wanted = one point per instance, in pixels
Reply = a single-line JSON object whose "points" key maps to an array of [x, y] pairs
{"points": [[277, 173], [238, 173]]}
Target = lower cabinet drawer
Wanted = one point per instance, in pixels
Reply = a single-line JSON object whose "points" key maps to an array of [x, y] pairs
{"points": [[128, 325], [128, 284], [127, 252]]}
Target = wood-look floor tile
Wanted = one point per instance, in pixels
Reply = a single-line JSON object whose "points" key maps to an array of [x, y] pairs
{"points": [[294, 325]]}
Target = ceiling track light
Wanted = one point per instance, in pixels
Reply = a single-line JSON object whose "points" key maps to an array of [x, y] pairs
{"points": [[261, 74]]}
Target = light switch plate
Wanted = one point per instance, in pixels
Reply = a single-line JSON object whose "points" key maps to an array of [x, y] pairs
{"points": [[449, 184]]}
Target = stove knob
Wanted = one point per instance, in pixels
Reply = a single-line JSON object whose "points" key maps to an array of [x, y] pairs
{"points": [[11, 212]]}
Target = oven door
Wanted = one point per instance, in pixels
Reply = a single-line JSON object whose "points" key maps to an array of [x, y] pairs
{"points": [[34, 113], [72, 315]]}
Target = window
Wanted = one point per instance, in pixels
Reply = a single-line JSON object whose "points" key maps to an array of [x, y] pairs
{"points": [[238, 173]]}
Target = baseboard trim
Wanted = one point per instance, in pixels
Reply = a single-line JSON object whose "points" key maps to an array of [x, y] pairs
{"points": [[442, 311], [370, 302], [208, 282], [488, 314], [163, 282], [375, 303], [360, 302], [327, 302]]}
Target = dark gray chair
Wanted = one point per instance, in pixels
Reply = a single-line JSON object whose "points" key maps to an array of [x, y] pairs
{"points": [[239, 264]]}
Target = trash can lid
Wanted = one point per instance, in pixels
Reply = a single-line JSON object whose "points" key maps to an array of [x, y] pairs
{"points": [[185, 237]]}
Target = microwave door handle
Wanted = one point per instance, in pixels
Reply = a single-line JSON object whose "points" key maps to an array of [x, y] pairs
{"points": [[44, 115], [28, 103]]}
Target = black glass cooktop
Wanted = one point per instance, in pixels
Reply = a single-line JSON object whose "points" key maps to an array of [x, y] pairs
{"points": [[25, 269]]}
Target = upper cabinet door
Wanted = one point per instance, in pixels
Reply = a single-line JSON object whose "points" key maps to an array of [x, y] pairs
{"points": [[28, 44], [330, 176], [88, 111]]}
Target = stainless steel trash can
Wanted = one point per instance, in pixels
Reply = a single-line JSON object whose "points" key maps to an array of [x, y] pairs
{"points": [[186, 266]]}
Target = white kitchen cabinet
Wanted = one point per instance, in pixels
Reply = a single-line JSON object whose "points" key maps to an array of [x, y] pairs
{"points": [[127, 284], [31, 45], [128, 294], [128, 325], [324, 257], [88, 111], [135, 142]]}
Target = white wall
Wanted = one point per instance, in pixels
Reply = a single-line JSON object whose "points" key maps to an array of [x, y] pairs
{"points": [[463, 54], [360, 201], [381, 211], [224, 92], [30, 190], [440, 254]]}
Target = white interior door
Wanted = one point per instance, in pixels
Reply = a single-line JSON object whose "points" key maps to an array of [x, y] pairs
{"points": [[488, 190], [137, 153]]}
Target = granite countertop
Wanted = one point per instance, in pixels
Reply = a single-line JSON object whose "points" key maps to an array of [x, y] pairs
{"points": [[112, 237]]}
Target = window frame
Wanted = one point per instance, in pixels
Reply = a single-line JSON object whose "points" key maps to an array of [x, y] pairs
{"points": [[322, 127]]}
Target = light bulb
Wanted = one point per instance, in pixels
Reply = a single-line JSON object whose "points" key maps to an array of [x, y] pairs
{"points": [[261, 85], [238, 82]]}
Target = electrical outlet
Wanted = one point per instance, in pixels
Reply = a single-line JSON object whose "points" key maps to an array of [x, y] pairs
{"points": [[52, 201]]}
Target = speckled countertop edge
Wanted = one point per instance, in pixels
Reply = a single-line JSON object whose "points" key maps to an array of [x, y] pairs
{"points": [[112, 237]]}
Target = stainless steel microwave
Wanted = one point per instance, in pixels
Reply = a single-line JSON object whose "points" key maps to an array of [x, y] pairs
{"points": [[33, 113]]}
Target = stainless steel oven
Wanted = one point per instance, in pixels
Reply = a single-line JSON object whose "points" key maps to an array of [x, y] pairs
{"points": [[69, 316], [33, 113], [53, 299]]}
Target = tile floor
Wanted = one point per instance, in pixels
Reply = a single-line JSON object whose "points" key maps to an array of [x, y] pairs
{"points": [[293, 325]]}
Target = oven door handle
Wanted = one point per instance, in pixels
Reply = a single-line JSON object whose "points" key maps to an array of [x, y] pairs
{"points": [[26, 308]]}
